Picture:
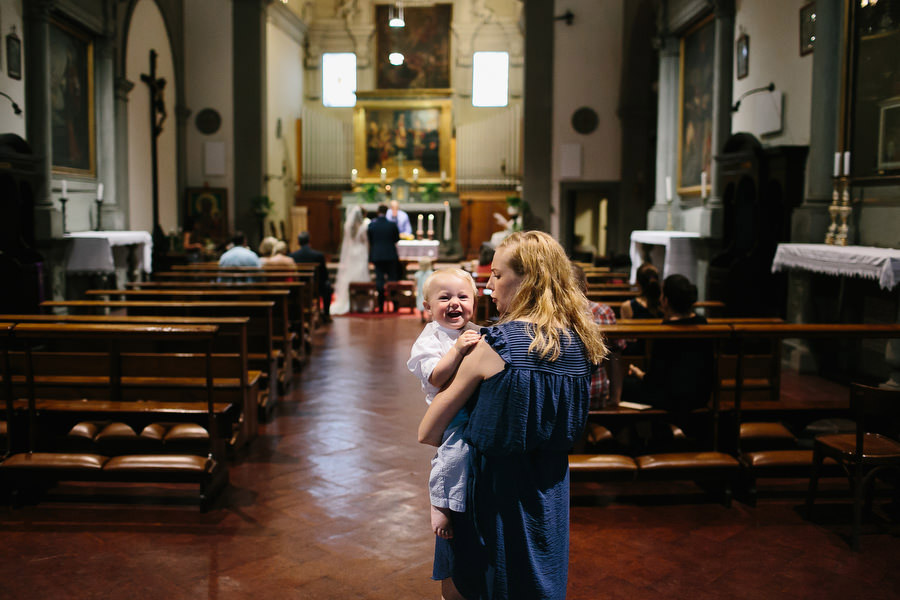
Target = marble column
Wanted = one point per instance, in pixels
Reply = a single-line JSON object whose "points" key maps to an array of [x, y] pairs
{"points": [[122, 89], [107, 150], [667, 131], [537, 179], [710, 217], [47, 219]]}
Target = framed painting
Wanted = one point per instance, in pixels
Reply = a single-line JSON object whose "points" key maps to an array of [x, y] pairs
{"points": [[72, 100], [206, 214], [742, 55], [873, 93], [695, 106], [889, 135], [416, 56], [13, 56], [399, 135]]}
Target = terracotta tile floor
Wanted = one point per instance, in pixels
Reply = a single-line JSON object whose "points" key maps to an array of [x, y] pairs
{"points": [[330, 502]]}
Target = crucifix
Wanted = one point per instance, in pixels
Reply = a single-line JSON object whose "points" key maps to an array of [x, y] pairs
{"points": [[157, 117]]}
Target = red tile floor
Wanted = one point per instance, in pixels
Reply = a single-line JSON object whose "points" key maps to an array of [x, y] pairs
{"points": [[330, 503]]}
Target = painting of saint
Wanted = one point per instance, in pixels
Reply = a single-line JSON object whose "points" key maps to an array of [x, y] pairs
{"points": [[71, 100], [424, 43], [695, 134], [403, 136]]}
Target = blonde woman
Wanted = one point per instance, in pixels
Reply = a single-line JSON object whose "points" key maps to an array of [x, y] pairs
{"points": [[527, 386]]}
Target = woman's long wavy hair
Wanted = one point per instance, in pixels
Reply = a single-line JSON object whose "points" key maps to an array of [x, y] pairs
{"points": [[549, 296]]}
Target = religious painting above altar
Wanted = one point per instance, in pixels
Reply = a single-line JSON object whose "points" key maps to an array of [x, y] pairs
{"points": [[407, 138], [417, 54]]}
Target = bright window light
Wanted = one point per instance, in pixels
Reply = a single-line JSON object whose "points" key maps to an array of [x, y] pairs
{"points": [[339, 79], [490, 79]]}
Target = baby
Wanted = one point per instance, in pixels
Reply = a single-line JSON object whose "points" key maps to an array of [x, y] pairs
{"points": [[435, 356]]}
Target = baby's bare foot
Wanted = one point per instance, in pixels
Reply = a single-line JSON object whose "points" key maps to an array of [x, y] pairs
{"points": [[440, 522]]}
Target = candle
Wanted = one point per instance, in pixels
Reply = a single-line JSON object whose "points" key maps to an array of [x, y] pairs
{"points": [[65, 188], [837, 164], [703, 184], [668, 188], [431, 222], [353, 174], [420, 222], [446, 221], [443, 176], [415, 175], [99, 191], [847, 164], [383, 174]]}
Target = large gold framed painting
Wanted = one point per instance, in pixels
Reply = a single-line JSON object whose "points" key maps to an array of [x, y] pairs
{"points": [[407, 137]]}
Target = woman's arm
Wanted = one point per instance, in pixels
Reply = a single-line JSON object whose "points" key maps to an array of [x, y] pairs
{"points": [[482, 362]]}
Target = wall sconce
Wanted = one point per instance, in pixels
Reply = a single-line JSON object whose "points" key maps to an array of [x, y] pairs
{"points": [[15, 106], [768, 88]]}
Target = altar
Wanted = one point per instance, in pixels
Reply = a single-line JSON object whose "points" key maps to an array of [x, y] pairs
{"points": [[445, 216], [672, 252], [106, 252]]}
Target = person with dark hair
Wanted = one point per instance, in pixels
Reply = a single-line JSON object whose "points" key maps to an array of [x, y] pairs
{"points": [[239, 255], [383, 238], [307, 255], [679, 378], [646, 304]]}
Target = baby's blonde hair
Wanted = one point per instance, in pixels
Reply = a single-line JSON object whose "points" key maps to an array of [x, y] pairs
{"points": [[458, 273]]}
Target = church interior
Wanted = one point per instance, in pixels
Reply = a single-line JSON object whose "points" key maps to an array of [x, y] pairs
{"points": [[177, 425]]}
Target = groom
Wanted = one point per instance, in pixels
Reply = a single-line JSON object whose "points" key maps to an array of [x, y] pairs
{"points": [[383, 238]]}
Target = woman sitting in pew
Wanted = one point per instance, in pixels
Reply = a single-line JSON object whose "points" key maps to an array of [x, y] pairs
{"points": [[679, 378]]}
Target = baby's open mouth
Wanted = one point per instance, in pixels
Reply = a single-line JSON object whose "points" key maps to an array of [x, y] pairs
{"points": [[452, 314]]}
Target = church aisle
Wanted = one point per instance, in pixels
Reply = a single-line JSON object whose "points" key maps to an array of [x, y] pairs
{"points": [[331, 503]]}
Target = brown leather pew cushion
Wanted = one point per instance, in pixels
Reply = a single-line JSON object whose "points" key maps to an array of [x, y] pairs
{"points": [[686, 461], [55, 460], [601, 463], [157, 462]]}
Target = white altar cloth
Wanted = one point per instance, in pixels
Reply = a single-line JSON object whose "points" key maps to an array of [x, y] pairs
{"points": [[92, 251], [881, 264], [411, 249], [674, 252]]}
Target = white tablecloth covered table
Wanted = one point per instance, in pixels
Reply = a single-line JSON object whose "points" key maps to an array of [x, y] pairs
{"points": [[673, 252], [881, 264], [411, 249], [101, 251]]}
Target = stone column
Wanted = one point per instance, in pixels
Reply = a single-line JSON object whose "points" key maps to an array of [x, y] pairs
{"points": [[537, 180], [122, 87], [47, 219], [107, 149], [249, 55], [723, 79], [667, 130]]}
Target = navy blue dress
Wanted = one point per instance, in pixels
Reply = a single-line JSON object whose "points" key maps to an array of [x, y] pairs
{"points": [[513, 539]]}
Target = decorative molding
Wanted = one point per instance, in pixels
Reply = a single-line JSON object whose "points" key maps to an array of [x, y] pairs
{"points": [[287, 21], [123, 88]]}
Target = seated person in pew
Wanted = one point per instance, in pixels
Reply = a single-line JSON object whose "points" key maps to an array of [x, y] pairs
{"points": [[679, 377], [239, 255], [644, 306], [273, 251], [435, 356], [306, 254], [602, 393]]}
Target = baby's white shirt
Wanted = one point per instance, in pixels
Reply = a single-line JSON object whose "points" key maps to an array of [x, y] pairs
{"points": [[432, 344]]}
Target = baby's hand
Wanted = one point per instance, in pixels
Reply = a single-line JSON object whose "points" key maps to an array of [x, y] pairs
{"points": [[466, 341]]}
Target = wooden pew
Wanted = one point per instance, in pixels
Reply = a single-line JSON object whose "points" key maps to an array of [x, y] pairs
{"points": [[308, 295], [157, 418], [230, 343], [281, 324], [263, 354]]}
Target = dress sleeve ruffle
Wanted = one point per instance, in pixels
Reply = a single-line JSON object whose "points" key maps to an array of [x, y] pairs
{"points": [[496, 339]]}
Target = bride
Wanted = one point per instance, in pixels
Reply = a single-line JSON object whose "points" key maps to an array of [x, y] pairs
{"points": [[354, 262]]}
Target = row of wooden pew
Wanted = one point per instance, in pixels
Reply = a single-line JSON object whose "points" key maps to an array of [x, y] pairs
{"points": [[734, 447], [164, 385]]}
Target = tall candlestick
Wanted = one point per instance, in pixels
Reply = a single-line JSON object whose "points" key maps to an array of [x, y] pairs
{"points": [[847, 163], [353, 174], [99, 191], [383, 174], [668, 188], [420, 223], [415, 175], [430, 227], [703, 184], [837, 164], [65, 188], [447, 232]]}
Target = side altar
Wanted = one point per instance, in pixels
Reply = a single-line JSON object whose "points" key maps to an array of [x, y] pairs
{"points": [[443, 212]]}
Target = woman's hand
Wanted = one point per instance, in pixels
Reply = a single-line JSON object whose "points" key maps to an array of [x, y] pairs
{"points": [[481, 362], [633, 370]]}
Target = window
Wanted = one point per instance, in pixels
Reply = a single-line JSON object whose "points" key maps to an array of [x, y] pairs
{"points": [[339, 79], [490, 79]]}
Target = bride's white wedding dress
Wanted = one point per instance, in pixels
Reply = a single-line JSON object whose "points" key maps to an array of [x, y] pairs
{"points": [[354, 261]]}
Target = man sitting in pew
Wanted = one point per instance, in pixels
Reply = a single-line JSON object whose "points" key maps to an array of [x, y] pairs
{"points": [[679, 377], [239, 255]]}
